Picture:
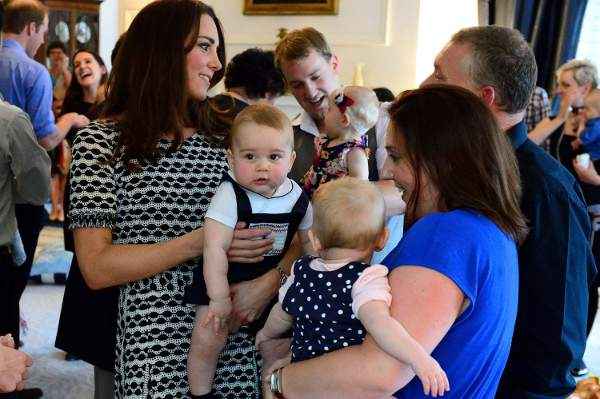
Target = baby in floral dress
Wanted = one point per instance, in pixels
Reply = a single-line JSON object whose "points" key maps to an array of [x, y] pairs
{"points": [[353, 110]]}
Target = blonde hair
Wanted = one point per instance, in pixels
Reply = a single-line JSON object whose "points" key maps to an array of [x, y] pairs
{"points": [[263, 115], [298, 43], [348, 213], [364, 112], [584, 72]]}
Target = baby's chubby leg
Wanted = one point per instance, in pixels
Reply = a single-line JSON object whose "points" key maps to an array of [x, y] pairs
{"points": [[204, 351]]}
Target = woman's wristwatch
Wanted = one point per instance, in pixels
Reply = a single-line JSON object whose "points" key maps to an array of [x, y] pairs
{"points": [[275, 383]]}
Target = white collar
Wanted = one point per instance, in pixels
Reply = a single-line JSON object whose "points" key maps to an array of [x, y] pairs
{"points": [[307, 124], [284, 189]]}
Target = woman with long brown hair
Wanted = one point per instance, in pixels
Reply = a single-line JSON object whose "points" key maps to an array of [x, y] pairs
{"points": [[454, 275], [142, 179]]}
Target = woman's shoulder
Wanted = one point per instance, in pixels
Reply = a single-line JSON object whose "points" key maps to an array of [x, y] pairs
{"points": [[101, 133], [457, 230], [451, 221]]}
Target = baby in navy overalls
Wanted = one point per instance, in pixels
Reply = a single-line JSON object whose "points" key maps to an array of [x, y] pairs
{"points": [[258, 192], [333, 300]]}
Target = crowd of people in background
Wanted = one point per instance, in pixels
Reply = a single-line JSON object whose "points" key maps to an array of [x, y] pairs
{"points": [[222, 250]]}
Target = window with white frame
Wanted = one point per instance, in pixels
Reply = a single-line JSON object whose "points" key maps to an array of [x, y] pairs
{"points": [[589, 41]]}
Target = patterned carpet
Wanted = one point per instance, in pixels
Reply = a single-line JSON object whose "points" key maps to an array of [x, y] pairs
{"points": [[60, 379]]}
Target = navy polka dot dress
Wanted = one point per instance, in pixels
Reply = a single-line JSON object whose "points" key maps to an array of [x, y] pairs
{"points": [[321, 304]]}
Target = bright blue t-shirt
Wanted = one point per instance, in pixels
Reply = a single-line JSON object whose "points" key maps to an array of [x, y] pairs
{"points": [[25, 83], [481, 260], [590, 138]]}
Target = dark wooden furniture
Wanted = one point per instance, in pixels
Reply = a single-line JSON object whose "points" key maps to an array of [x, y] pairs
{"points": [[75, 23]]}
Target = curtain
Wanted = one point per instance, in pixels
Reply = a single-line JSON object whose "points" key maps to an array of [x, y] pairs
{"points": [[552, 27], [502, 13]]}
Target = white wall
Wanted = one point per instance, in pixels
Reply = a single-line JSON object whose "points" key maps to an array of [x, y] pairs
{"points": [[438, 20], [396, 40], [109, 28]]}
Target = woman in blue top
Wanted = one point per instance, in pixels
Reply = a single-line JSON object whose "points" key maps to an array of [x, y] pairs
{"points": [[454, 275]]}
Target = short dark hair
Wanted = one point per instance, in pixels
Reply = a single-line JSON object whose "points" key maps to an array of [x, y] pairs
{"points": [[254, 70], [384, 94], [465, 155], [503, 59], [298, 43], [147, 87], [20, 13], [56, 45]]}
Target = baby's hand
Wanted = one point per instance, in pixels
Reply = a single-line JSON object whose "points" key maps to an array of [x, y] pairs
{"points": [[434, 379], [218, 314]]}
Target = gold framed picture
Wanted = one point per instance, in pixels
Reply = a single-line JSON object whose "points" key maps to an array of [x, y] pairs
{"points": [[290, 7]]}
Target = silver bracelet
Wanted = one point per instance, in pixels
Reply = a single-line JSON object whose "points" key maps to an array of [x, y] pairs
{"points": [[275, 382]]}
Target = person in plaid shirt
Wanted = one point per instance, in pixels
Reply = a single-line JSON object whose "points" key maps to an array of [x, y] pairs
{"points": [[537, 109]]}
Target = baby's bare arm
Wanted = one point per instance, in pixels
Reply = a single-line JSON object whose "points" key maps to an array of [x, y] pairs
{"points": [[358, 164], [392, 337], [217, 240], [389, 334], [278, 322]]}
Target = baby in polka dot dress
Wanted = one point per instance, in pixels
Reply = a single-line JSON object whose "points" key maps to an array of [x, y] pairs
{"points": [[334, 300]]}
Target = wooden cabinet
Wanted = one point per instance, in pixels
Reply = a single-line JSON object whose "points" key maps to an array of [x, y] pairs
{"points": [[75, 23]]}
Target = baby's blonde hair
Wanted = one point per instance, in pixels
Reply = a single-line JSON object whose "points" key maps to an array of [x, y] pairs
{"points": [[348, 213], [263, 115], [363, 114]]}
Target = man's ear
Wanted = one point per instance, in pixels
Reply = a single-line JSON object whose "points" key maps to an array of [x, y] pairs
{"points": [[488, 95], [314, 241], [31, 28]]}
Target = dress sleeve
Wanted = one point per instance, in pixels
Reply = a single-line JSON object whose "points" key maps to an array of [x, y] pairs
{"points": [[93, 184], [372, 285]]}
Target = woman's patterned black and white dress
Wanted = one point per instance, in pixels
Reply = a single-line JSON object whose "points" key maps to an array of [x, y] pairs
{"points": [[162, 202]]}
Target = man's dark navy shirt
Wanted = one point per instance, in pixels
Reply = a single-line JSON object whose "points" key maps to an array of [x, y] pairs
{"points": [[556, 268]]}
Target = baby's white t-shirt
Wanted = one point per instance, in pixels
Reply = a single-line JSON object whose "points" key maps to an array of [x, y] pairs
{"points": [[223, 207]]}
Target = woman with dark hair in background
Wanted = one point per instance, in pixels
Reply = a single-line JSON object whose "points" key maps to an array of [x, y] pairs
{"points": [[142, 179], [250, 77], [87, 315], [83, 94]]}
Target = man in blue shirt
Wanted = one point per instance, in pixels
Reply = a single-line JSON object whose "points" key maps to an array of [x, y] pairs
{"points": [[25, 82], [556, 265]]}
